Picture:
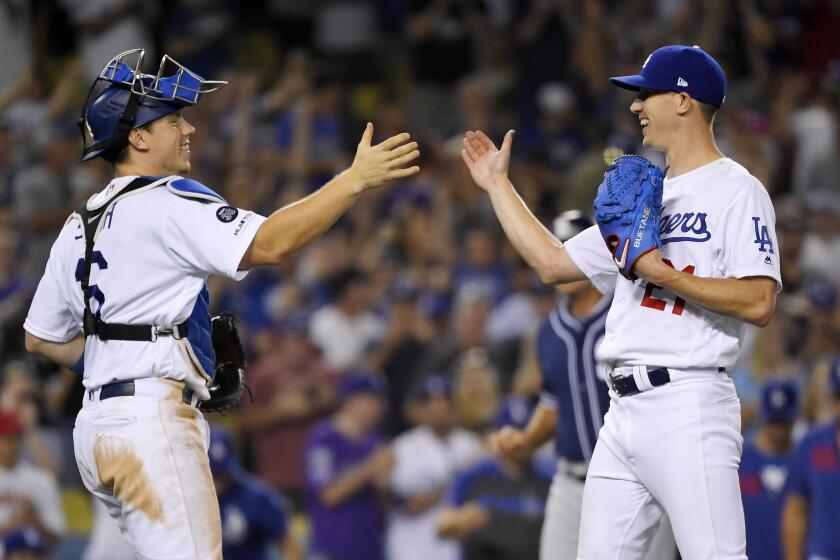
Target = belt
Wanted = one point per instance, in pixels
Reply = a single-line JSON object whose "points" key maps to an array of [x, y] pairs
{"points": [[576, 470], [127, 389], [625, 386]]}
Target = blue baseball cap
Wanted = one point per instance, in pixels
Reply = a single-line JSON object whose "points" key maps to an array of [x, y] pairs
{"points": [[682, 69], [25, 538], [515, 411], [220, 452], [780, 401], [355, 383]]}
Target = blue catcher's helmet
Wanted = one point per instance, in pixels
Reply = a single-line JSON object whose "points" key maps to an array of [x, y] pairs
{"points": [[122, 98]]}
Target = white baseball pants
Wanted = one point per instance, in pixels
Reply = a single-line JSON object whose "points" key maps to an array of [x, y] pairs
{"points": [[145, 458], [673, 449], [561, 527]]}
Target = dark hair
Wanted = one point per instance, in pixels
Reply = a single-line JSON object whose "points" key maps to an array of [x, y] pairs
{"points": [[123, 153], [708, 111]]}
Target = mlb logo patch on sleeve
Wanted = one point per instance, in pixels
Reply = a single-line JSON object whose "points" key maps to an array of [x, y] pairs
{"points": [[227, 214]]}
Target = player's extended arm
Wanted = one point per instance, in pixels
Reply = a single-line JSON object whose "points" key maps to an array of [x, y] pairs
{"points": [[794, 526], [540, 249], [750, 299], [295, 225], [520, 444], [62, 353]]}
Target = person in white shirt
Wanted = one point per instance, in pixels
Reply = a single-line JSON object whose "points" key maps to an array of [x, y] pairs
{"points": [[346, 329], [671, 441], [133, 303], [426, 460], [29, 495]]}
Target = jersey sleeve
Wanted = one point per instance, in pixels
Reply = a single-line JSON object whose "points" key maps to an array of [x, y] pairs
{"points": [[548, 395], [797, 480], [589, 252], [459, 492], [50, 315], [750, 247], [211, 238], [273, 514]]}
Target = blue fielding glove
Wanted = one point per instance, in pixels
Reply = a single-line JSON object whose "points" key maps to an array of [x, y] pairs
{"points": [[628, 208]]}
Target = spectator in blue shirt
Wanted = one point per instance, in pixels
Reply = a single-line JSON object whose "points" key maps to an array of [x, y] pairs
{"points": [[253, 516], [811, 522], [496, 507], [765, 464], [347, 465]]}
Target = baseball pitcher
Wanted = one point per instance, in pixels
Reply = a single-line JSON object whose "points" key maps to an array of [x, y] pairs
{"points": [[693, 255]]}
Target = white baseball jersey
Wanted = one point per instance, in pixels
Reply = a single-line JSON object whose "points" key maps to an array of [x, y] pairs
{"points": [[424, 463], [152, 256], [717, 222]]}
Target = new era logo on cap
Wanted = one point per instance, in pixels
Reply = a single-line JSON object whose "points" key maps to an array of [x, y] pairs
{"points": [[681, 82]]}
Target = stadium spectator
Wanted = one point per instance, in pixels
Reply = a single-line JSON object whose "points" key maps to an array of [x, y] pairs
{"points": [[496, 507], [293, 389], [812, 507], [347, 467], [765, 465], [29, 495], [254, 519], [426, 459]]}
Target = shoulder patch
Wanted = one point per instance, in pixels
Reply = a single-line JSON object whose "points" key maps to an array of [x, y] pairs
{"points": [[189, 188], [227, 214]]}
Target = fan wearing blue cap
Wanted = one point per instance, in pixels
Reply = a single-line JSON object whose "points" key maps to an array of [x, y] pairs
{"points": [[765, 464], [715, 268], [812, 509], [124, 299], [254, 520]]}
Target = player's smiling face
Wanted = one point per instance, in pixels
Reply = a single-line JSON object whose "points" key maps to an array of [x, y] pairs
{"points": [[170, 143], [655, 111]]}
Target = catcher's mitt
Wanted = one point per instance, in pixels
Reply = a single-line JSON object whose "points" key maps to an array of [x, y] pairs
{"points": [[229, 381], [628, 208]]}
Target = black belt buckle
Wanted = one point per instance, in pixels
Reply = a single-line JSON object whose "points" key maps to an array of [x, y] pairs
{"points": [[626, 386]]}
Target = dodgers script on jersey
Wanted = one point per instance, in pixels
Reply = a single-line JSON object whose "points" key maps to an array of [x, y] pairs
{"points": [[717, 222], [149, 267]]}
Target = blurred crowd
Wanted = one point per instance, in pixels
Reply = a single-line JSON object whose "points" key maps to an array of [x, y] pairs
{"points": [[412, 312]]}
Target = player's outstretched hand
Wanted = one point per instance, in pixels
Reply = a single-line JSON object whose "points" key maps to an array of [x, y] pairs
{"points": [[487, 164], [385, 161], [511, 443]]}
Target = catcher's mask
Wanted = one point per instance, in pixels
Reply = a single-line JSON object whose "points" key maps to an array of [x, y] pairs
{"points": [[122, 98]]}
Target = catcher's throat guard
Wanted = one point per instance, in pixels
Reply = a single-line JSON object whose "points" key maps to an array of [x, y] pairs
{"points": [[122, 97]]}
